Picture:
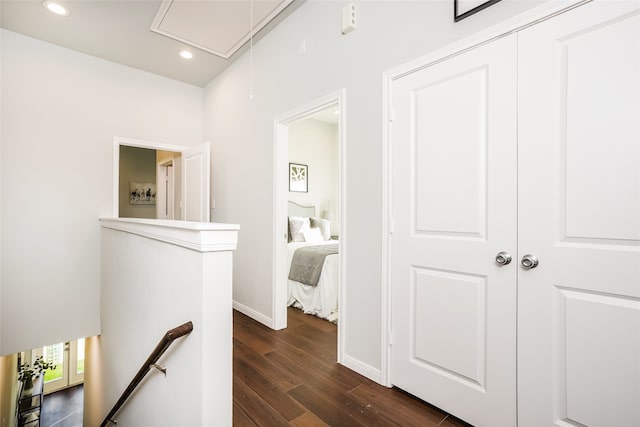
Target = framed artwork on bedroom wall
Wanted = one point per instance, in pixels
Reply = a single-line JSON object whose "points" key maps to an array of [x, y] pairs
{"points": [[298, 178], [465, 8]]}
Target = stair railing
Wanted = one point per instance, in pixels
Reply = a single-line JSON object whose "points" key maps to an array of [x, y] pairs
{"points": [[169, 337]]}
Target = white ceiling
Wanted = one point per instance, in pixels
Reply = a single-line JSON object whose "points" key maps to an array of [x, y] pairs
{"points": [[220, 27], [120, 31]]}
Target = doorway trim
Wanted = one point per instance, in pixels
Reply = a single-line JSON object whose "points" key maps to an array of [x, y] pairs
{"points": [[515, 24], [138, 143], [280, 186]]}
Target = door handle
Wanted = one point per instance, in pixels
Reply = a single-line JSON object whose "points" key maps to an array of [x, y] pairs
{"points": [[529, 261], [503, 258]]}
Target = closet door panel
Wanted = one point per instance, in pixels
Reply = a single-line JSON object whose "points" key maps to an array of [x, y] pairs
{"points": [[579, 213], [454, 208], [451, 157]]}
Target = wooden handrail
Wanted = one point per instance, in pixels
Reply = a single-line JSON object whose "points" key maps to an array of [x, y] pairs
{"points": [[168, 338]]}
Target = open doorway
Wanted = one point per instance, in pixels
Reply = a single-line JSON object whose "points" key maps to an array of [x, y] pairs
{"points": [[307, 186], [163, 181], [68, 359], [147, 183]]}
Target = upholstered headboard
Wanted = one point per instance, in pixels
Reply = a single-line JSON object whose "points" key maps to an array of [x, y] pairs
{"points": [[296, 209]]}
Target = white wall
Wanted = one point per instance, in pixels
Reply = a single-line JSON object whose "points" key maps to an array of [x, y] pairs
{"points": [[315, 144], [150, 287], [242, 132], [138, 165], [60, 112]]}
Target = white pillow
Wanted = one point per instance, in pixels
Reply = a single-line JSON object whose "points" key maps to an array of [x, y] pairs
{"points": [[312, 235], [324, 225], [297, 225]]}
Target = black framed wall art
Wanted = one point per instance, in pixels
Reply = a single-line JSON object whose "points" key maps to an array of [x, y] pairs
{"points": [[465, 8], [298, 178]]}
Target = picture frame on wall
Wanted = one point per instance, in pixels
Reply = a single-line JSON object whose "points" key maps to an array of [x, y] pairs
{"points": [[142, 193], [298, 178], [465, 8]]}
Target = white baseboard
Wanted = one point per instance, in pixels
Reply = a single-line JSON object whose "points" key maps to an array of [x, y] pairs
{"points": [[259, 317], [362, 368]]}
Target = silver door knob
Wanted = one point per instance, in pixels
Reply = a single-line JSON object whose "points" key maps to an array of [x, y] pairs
{"points": [[529, 261], [503, 258]]}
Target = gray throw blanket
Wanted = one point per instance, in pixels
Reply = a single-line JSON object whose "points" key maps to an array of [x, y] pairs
{"points": [[307, 263]]}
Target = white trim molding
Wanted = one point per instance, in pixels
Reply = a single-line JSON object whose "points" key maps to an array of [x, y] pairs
{"points": [[197, 236], [362, 368], [255, 315], [510, 26]]}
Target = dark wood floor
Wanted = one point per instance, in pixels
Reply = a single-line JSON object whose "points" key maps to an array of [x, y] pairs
{"points": [[290, 378], [63, 408]]}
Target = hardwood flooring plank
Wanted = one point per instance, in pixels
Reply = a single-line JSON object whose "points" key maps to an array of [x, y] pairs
{"points": [[258, 342], [303, 355], [389, 404], [258, 411], [322, 327], [283, 378], [307, 358], [272, 369], [329, 411], [322, 344], [277, 398], [308, 419], [452, 421], [330, 378], [295, 317], [357, 408], [300, 316], [240, 418], [327, 335]]}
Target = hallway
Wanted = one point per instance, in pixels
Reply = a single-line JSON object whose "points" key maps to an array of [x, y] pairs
{"points": [[290, 378]]}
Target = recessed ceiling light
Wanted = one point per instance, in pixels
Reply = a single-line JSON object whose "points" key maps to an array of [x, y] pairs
{"points": [[186, 54], [56, 8]]}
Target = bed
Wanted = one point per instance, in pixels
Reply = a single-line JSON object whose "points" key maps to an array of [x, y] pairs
{"points": [[322, 299]]}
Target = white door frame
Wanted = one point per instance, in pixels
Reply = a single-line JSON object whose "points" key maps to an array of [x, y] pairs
{"points": [[280, 186], [74, 377], [540, 13], [128, 142]]}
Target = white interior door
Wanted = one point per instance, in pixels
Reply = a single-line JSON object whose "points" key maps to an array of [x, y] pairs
{"points": [[579, 206], [453, 209], [196, 182], [165, 190]]}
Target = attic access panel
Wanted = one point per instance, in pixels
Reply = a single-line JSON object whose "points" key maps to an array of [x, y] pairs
{"points": [[217, 27]]}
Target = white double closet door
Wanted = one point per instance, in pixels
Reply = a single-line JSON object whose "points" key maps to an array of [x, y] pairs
{"points": [[528, 145]]}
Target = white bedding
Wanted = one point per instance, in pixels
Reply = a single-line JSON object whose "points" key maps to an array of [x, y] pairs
{"points": [[320, 300]]}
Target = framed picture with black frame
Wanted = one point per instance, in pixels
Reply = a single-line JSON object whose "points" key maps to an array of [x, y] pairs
{"points": [[298, 178], [465, 8]]}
